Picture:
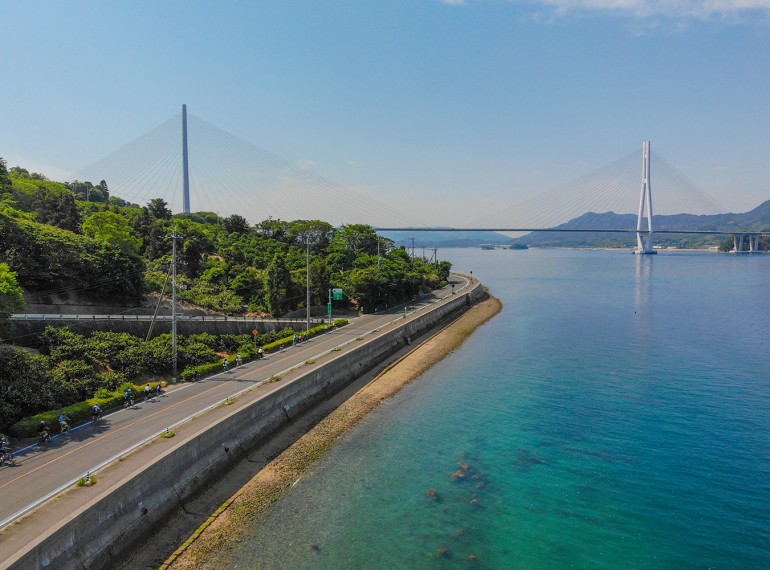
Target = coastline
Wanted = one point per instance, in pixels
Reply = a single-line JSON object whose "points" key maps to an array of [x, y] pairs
{"points": [[206, 546]]}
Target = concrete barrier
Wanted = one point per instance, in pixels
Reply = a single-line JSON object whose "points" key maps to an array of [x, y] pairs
{"points": [[97, 535]]}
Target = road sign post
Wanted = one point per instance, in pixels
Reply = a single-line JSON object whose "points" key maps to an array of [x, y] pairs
{"points": [[336, 295]]}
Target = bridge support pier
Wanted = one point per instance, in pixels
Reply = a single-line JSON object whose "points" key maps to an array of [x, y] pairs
{"points": [[738, 243], [644, 240]]}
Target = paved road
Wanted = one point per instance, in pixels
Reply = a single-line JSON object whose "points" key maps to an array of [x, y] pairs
{"points": [[43, 472]]}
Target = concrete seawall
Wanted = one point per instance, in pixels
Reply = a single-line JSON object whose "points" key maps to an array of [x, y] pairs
{"points": [[96, 535]]}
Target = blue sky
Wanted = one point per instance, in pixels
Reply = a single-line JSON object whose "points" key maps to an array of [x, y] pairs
{"points": [[451, 109]]}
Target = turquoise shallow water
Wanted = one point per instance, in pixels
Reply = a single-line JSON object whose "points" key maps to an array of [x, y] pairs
{"points": [[615, 415]]}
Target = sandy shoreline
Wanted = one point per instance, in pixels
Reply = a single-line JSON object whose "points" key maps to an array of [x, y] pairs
{"points": [[207, 547]]}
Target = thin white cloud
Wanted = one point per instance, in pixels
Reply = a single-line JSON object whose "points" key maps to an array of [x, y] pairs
{"points": [[659, 8], [305, 163], [453, 2]]}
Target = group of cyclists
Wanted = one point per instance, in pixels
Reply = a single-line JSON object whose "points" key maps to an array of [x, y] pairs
{"points": [[44, 432], [238, 362], [149, 395]]}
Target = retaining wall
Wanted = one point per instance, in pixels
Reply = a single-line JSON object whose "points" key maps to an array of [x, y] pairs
{"points": [[96, 535]]}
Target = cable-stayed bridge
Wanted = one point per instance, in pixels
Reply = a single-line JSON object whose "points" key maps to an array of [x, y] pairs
{"points": [[194, 165]]}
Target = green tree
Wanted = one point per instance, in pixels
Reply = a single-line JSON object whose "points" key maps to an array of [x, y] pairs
{"points": [[24, 384], [112, 229], [57, 209], [236, 224], [277, 286], [11, 297], [5, 179], [158, 209]]}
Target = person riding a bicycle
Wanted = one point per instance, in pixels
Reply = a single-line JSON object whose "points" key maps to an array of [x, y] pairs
{"points": [[6, 454], [147, 391], [128, 398], [43, 431], [63, 425], [95, 412]]}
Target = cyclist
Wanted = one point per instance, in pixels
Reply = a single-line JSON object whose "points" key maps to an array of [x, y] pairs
{"points": [[226, 365], [148, 392], [6, 455], [195, 375], [159, 390], [64, 427], [43, 432], [238, 360], [95, 413], [261, 353], [128, 399]]}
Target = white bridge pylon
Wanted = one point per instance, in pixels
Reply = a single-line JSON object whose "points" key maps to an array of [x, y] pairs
{"points": [[644, 239]]}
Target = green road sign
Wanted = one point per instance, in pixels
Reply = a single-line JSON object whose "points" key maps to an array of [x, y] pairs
{"points": [[329, 308], [337, 294]]}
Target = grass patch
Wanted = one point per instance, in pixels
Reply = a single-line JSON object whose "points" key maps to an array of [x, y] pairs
{"points": [[167, 434], [87, 483], [309, 362]]}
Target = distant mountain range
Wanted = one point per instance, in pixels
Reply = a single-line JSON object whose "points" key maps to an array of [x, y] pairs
{"points": [[756, 219], [437, 238]]}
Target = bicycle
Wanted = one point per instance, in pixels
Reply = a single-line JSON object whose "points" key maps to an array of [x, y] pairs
{"points": [[6, 458], [6, 454], [64, 427], [128, 403]]}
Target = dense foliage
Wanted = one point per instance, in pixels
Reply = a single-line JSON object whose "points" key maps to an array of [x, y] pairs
{"points": [[76, 242], [71, 368], [75, 239]]}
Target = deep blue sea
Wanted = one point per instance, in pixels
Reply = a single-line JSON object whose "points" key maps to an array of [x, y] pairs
{"points": [[616, 414]]}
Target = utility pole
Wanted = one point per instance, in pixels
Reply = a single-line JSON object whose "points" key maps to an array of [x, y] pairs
{"points": [[378, 253], [174, 237], [412, 238], [307, 278]]}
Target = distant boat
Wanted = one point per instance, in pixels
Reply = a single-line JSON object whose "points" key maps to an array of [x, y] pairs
{"points": [[486, 246]]}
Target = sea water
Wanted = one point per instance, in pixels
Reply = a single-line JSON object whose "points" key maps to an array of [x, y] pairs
{"points": [[616, 414]]}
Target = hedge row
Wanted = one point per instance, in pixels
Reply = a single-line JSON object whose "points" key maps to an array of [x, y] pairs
{"points": [[249, 352], [77, 413], [81, 411]]}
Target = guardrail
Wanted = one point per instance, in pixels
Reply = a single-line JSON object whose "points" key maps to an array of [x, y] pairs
{"points": [[146, 318]]}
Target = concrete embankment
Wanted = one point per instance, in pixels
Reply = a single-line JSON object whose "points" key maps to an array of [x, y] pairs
{"points": [[96, 534]]}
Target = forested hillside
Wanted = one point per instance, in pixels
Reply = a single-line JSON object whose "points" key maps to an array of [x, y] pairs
{"points": [[75, 241], [67, 238]]}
